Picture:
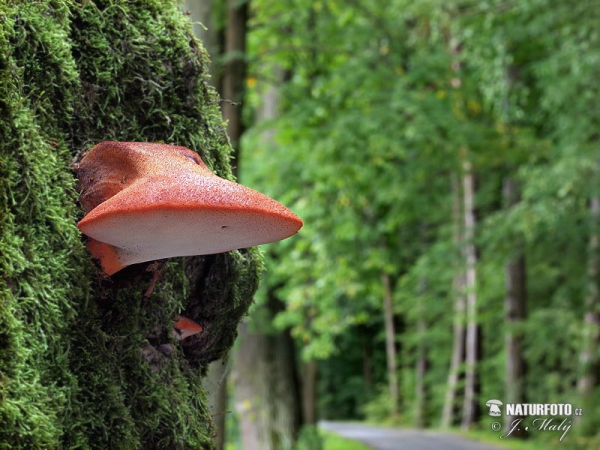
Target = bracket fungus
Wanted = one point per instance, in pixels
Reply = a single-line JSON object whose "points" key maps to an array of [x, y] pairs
{"points": [[148, 201], [185, 327]]}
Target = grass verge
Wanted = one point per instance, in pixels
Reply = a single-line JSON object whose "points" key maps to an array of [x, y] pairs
{"points": [[332, 441]]}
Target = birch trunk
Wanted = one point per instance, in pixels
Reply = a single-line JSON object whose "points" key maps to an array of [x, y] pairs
{"points": [[458, 327], [390, 344], [472, 338]]}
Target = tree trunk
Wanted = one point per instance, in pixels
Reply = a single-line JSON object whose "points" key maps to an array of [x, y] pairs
{"points": [[89, 362], [515, 310], [420, 385], [470, 407], [216, 396], [267, 384], [458, 327], [390, 343], [205, 24], [367, 359], [266, 387], [589, 358], [252, 386], [234, 76], [310, 372]]}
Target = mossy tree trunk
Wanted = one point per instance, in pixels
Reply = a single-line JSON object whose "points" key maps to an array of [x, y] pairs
{"points": [[87, 362]]}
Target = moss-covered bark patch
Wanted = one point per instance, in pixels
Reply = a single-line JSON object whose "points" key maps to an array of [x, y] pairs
{"points": [[86, 362]]}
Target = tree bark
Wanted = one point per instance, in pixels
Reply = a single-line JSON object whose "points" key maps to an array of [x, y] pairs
{"points": [[420, 385], [310, 371], [234, 76], [367, 359], [458, 326], [515, 315], [206, 28], [216, 396], [252, 387], [390, 343], [267, 382], [90, 362], [267, 388], [470, 407], [589, 359]]}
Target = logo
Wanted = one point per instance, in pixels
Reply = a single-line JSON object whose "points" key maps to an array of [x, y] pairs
{"points": [[494, 406], [523, 422]]}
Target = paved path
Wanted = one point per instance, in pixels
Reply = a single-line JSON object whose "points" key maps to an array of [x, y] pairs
{"points": [[398, 439]]}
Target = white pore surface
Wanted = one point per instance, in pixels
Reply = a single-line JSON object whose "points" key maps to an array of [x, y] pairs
{"points": [[168, 233]]}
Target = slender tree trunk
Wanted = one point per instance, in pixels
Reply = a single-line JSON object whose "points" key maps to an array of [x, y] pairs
{"points": [[287, 396], [516, 290], [206, 29], [234, 77], [367, 360], [216, 385], [458, 327], [310, 372], [216, 395], [420, 385], [589, 358], [472, 338], [515, 314], [464, 301], [390, 343]]}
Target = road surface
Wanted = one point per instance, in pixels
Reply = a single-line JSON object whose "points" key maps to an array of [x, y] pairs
{"points": [[397, 439]]}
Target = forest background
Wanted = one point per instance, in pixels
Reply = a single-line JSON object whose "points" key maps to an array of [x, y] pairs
{"points": [[444, 156]]}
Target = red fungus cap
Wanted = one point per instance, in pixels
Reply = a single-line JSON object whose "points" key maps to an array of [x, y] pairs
{"points": [[147, 201], [185, 327]]}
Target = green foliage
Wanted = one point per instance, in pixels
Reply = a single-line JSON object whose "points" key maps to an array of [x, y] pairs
{"points": [[379, 409], [76, 369], [383, 102], [343, 390], [310, 439]]}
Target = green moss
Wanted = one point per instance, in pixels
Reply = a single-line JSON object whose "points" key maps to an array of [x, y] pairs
{"points": [[79, 365]]}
